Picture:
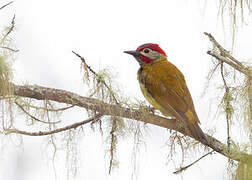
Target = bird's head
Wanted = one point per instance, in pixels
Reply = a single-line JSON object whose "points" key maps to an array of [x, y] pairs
{"points": [[147, 53]]}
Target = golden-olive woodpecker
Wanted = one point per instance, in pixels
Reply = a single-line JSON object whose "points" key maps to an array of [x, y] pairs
{"points": [[164, 86]]}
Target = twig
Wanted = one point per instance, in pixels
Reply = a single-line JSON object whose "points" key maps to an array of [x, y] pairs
{"points": [[97, 76], [10, 29], [44, 133], [225, 56], [6, 5], [210, 75], [223, 78], [52, 110], [226, 106], [14, 50], [224, 59], [61, 109], [84, 62], [33, 117], [185, 167], [223, 51]]}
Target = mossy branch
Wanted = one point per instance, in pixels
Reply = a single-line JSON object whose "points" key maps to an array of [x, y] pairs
{"points": [[86, 66], [224, 56], [62, 96]]}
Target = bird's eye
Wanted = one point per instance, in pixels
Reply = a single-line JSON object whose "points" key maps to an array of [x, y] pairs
{"points": [[146, 51]]}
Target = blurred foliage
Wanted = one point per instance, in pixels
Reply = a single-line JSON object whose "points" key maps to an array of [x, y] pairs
{"points": [[237, 11]]}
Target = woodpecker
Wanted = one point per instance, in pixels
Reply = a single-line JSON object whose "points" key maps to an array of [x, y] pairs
{"points": [[164, 87]]}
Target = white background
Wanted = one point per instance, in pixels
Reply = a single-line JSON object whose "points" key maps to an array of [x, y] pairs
{"points": [[47, 31]]}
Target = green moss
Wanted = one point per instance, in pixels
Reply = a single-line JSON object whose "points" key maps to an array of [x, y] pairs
{"points": [[5, 76]]}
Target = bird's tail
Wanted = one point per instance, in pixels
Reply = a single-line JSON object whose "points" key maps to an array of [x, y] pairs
{"points": [[197, 133]]}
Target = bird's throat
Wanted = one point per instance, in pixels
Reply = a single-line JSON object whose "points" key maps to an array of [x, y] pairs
{"points": [[145, 59]]}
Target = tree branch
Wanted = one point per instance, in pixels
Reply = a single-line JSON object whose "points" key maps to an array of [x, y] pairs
{"points": [[223, 51], [10, 49], [44, 133], [11, 28], [97, 76], [33, 117], [62, 96], [225, 56], [185, 167], [227, 107], [6, 5], [48, 109], [225, 60]]}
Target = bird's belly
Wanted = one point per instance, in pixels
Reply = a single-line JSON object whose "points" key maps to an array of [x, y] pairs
{"points": [[152, 101]]}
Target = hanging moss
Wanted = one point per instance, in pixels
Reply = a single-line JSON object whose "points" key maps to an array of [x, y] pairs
{"points": [[5, 76], [244, 171]]}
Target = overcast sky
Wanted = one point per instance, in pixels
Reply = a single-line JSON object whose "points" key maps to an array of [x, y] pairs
{"points": [[46, 33]]}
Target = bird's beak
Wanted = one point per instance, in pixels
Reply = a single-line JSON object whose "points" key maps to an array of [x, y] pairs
{"points": [[133, 53]]}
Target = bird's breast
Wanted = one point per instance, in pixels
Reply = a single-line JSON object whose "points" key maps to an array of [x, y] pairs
{"points": [[149, 84]]}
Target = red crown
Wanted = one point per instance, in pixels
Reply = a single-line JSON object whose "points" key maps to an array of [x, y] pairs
{"points": [[154, 47]]}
